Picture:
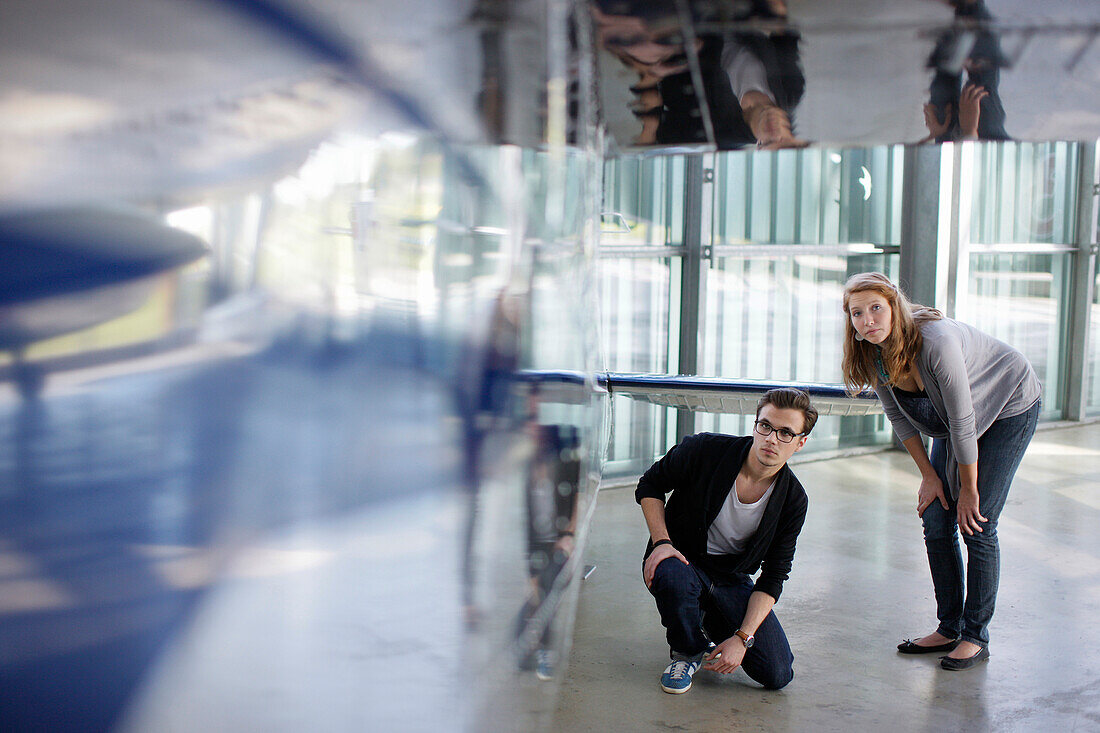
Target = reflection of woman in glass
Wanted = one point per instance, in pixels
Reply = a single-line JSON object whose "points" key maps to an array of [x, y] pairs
{"points": [[978, 398], [971, 111]]}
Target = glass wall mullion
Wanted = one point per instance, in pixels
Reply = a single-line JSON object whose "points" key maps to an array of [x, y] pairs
{"points": [[1082, 392]]}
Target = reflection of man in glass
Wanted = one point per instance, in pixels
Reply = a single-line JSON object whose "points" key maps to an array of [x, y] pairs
{"points": [[970, 111], [766, 82], [484, 402], [735, 508], [751, 81], [552, 484]]}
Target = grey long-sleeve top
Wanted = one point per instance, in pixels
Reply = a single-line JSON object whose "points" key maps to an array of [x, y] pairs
{"points": [[971, 379]]}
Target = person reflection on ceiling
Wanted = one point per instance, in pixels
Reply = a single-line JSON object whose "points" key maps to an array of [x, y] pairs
{"points": [[970, 111], [752, 81]]}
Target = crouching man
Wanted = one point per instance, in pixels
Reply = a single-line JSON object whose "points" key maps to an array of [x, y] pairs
{"points": [[735, 508]]}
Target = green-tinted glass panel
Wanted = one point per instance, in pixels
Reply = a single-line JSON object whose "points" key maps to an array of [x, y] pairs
{"points": [[1021, 300], [643, 201], [1022, 192]]}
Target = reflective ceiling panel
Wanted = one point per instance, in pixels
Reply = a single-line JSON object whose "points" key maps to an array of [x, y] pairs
{"points": [[772, 74], [149, 99]]}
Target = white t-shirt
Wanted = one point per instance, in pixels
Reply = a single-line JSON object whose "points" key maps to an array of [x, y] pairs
{"points": [[745, 70], [736, 523]]}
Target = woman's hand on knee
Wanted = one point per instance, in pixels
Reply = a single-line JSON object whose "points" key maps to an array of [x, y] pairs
{"points": [[970, 518], [931, 489], [659, 555]]}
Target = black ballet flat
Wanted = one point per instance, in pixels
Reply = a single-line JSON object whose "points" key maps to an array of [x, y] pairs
{"points": [[956, 665], [910, 647]]}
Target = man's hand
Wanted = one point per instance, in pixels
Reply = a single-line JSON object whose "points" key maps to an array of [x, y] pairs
{"points": [[770, 125], [969, 516], [659, 554], [726, 657], [931, 489], [565, 544]]}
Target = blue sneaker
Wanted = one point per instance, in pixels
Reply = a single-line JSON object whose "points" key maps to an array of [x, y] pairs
{"points": [[544, 664], [677, 676]]}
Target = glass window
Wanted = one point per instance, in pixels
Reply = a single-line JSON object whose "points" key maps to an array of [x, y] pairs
{"points": [[1023, 192], [779, 318], [1023, 198], [787, 229], [774, 312], [640, 296], [1021, 300], [648, 193]]}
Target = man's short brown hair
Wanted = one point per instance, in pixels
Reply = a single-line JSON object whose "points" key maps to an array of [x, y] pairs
{"points": [[789, 398]]}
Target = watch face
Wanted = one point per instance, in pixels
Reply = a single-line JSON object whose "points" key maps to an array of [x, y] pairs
{"points": [[750, 641]]}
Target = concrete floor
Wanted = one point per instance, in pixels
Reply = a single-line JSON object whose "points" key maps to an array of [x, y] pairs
{"points": [[860, 584]]}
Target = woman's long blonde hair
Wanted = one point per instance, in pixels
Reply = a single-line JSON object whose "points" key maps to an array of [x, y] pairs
{"points": [[901, 347]]}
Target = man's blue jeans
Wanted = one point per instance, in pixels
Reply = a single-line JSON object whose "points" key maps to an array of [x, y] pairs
{"points": [[689, 602], [1000, 450]]}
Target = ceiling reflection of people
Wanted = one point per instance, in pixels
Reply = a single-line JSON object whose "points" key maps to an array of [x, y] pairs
{"points": [[751, 81]]}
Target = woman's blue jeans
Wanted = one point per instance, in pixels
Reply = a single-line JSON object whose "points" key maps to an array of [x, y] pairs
{"points": [[1000, 450], [690, 602]]}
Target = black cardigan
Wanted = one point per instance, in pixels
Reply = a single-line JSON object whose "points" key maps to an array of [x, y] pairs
{"points": [[700, 472]]}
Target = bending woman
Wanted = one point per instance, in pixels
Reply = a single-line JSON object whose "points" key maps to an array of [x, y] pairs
{"points": [[978, 399]]}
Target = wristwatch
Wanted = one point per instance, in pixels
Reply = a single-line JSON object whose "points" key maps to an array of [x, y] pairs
{"points": [[748, 639]]}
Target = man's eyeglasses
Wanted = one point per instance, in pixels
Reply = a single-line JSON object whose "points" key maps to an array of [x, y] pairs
{"points": [[765, 428]]}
